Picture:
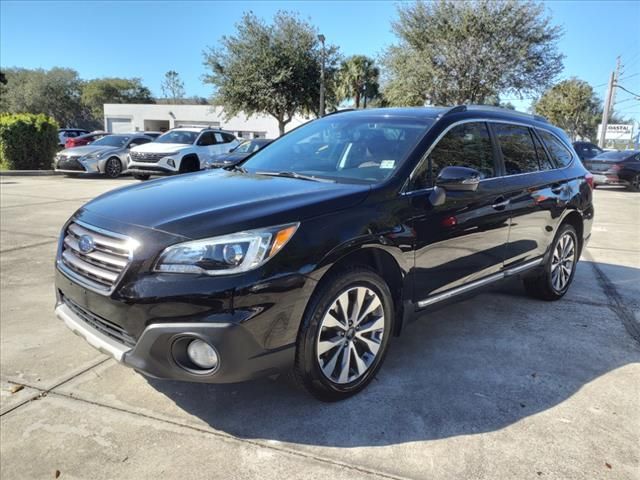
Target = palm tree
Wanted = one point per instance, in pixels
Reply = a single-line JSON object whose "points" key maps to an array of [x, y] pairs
{"points": [[358, 79]]}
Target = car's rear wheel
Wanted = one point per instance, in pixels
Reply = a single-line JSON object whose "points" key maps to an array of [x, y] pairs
{"points": [[113, 167], [344, 334], [634, 185], [559, 269], [141, 176]]}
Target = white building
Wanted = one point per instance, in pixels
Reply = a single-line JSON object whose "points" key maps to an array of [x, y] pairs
{"points": [[126, 117]]}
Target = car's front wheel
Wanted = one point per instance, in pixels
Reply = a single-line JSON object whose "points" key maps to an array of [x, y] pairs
{"points": [[556, 277], [344, 334], [113, 167]]}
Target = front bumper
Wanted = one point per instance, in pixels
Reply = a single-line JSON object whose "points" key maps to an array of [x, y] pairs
{"points": [[76, 165], [163, 166]]}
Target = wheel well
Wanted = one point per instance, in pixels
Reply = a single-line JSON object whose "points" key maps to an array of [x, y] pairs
{"points": [[190, 163], [384, 265], [575, 220]]}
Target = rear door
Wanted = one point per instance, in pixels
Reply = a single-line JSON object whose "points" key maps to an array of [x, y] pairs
{"points": [[535, 192], [464, 239]]}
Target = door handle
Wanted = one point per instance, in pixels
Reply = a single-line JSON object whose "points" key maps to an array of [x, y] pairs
{"points": [[500, 203], [558, 188]]}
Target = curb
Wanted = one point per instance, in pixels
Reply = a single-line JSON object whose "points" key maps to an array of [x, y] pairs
{"points": [[27, 173]]}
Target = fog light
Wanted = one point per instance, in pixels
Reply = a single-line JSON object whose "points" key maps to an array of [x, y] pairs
{"points": [[171, 163], [202, 354]]}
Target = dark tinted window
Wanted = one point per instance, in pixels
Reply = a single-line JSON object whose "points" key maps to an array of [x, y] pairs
{"points": [[228, 137], [560, 154], [543, 159], [517, 147], [467, 145], [139, 141], [207, 138]]}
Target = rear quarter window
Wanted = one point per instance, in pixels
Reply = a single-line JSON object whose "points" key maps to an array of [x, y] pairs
{"points": [[559, 153]]}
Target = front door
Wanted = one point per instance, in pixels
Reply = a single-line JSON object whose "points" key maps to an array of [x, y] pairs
{"points": [[464, 239]]}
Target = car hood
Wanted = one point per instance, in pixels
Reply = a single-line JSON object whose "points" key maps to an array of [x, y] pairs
{"points": [[159, 147], [210, 203], [229, 158], [87, 150]]}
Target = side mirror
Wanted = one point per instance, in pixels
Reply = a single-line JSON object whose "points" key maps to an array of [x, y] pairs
{"points": [[458, 179], [231, 150]]}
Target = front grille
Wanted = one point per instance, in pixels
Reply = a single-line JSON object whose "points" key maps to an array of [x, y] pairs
{"points": [[69, 163], [146, 157], [103, 326], [99, 267]]}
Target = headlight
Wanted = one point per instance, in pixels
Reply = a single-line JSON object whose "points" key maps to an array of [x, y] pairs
{"points": [[228, 254]]}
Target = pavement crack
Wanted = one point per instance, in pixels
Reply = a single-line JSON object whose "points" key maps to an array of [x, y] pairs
{"points": [[39, 244], [225, 436]]}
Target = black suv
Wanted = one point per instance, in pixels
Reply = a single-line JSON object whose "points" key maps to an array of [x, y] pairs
{"points": [[322, 246]]}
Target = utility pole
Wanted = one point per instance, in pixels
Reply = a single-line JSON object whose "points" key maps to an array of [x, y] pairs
{"points": [[608, 103], [322, 39]]}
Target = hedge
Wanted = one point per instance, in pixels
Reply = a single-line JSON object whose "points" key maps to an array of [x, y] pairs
{"points": [[27, 141]]}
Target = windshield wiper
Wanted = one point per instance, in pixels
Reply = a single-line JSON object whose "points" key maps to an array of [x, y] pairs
{"points": [[298, 176], [236, 168]]}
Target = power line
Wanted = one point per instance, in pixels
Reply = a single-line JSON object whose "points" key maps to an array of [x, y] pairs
{"points": [[628, 91]]}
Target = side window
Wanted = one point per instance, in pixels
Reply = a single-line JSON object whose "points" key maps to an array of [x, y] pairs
{"points": [[218, 137], [543, 159], [466, 145], [560, 154], [517, 148], [207, 139], [228, 137]]}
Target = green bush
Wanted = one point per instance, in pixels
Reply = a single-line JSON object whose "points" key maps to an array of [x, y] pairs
{"points": [[27, 141]]}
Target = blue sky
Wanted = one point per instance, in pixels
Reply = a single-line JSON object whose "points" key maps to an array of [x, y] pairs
{"points": [[147, 38]]}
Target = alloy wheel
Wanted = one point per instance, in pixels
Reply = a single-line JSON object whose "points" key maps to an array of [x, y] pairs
{"points": [[113, 168], [351, 335], [563, 262]]}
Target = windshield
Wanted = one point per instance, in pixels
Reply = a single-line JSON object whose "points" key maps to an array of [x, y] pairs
{"points": [[245, 147], [112, 141], [184, 137], [350, 148]]}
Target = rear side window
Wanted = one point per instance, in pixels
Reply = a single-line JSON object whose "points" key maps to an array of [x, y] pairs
{"points": [[467, 145], [559, 153], [228, 137], [518, 150], [543, 158], [206, 139]]}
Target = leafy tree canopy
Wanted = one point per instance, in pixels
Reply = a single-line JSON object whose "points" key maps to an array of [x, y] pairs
{"points": [[270, 68], [452, 52], [95, 93], [358, 79]]}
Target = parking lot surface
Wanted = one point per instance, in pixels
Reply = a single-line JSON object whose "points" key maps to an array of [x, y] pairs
{"points": [[498, 386]]}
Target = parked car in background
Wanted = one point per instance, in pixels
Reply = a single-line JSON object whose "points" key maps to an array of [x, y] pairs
{"points": [[153, 135], [66, 133], [180, 150], [319, 249], [616, 168], [238, 154], [84, 139], [107, 155], [586, 150]]}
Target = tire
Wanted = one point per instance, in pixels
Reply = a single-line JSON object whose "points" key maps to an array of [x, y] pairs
{"points": [[141, 176], [634, 184], [554, 282], [322, 373], [190, 163], [113, 167]]}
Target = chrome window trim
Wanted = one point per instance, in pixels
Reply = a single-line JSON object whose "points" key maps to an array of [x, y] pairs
{"points": [[479, 283], [425, 157], [79, 279]]}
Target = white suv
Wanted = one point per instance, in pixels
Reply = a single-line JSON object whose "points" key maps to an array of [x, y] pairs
{"points": [[180, 150]]}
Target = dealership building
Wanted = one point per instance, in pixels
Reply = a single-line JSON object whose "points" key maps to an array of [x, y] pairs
{"points": [[126, 117]]}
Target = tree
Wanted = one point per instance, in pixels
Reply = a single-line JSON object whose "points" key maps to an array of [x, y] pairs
{"points": [[95, 93], [573, 106], [269, 68], [358, 79], [54, 92], [172, 87], [452, 52]]}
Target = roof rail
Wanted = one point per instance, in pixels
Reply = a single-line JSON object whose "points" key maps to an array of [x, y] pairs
{"points": [[494, 108], [339, 111], [456, 109]]}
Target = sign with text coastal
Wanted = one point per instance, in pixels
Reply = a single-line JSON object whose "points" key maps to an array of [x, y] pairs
{"points": [[617, 132]]}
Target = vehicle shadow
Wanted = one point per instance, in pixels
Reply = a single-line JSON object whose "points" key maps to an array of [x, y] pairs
{"points": [[472, 367]]}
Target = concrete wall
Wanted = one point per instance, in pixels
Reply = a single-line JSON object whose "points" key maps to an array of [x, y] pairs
{"points": [[139, 117]]}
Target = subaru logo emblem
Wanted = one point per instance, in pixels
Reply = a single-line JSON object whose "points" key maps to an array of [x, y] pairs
{"points": [[85, 244]]}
